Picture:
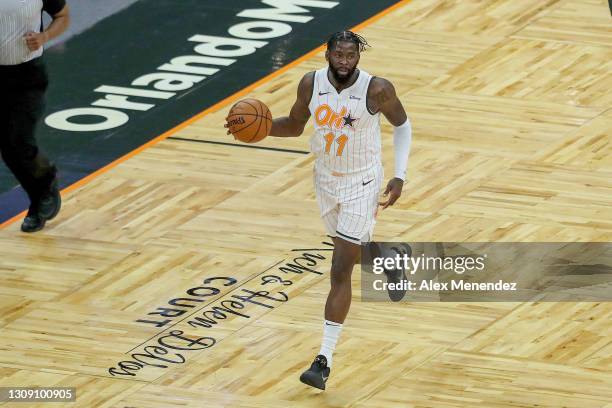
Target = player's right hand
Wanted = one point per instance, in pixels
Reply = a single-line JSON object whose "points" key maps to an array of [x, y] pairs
{"points": [[227, 126]]}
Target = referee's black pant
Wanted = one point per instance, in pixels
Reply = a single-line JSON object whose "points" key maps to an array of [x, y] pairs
{"points": [[22, 100]]}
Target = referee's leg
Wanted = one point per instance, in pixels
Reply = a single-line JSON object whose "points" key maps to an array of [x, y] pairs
{"points": [[23, 109]]}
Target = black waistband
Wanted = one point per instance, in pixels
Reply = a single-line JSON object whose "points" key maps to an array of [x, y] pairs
{"points": [[36, 62]]}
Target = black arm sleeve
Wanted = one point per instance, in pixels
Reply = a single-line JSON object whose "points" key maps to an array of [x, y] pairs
{"points": [[52, 7]]}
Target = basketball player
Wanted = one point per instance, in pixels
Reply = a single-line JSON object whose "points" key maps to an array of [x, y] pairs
{"points": [[346, 104]]}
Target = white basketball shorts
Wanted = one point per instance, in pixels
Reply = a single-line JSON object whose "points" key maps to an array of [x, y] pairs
{"points": [[349, 203]]}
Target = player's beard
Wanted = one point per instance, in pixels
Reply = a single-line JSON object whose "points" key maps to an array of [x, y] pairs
{"points": [[341, 78]]}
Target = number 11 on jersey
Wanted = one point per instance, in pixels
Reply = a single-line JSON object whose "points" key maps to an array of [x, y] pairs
{"points": [[341, 140]]}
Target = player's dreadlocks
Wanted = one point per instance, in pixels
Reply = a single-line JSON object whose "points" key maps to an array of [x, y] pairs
{"points": [[349, 36]]}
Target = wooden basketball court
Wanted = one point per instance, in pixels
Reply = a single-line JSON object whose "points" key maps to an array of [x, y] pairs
{"points": [[512, 120]]}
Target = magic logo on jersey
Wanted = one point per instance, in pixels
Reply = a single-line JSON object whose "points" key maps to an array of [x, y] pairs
{"points": [[325, 116]]}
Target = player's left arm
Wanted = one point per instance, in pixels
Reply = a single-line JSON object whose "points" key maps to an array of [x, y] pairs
{"points": [[383, 99]]}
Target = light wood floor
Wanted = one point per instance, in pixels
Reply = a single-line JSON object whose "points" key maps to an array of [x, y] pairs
{"points": [[511, 107]]}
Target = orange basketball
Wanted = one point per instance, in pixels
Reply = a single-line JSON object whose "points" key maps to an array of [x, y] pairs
{"points": [[249, 120]]}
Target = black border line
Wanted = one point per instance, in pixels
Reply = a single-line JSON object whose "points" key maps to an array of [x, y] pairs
{"points": [[274, 149]]}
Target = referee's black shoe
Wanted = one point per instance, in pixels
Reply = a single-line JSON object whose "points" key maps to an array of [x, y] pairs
{"points": [[33, 222], [46, 209], [50, 202], [318, 373]]}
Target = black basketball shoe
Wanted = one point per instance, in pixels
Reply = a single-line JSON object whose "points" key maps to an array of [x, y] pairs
{"points": [[318, 373], [397, 276]]}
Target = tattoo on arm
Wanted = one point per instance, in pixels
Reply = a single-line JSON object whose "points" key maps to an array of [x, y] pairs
{"points": [[389, 104], [381, 98], [293, 125], [300, 112]]}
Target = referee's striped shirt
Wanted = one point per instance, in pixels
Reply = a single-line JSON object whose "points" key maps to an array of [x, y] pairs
{"points": [[17, 17]]}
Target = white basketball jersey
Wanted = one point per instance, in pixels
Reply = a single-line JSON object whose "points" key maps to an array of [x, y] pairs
{"points": [[346, 135]]}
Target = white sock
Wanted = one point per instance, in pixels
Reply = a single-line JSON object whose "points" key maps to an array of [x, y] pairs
{"points": [[331, 332]]}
